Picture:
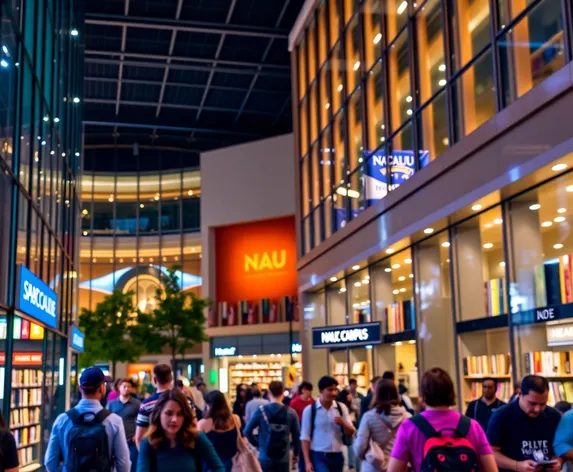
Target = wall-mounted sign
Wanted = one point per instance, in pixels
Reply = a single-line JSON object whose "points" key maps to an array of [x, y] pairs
{"points": [[560, 334], [36, 299], [296, 347], [543, 314], [256, 260], [23, 358], [347, 335], [225, 351], [77, 339]]}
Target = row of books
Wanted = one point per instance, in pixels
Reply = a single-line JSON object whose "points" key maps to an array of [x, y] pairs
{"points": [[26, 397], [494, 364], [548, 362], [26, 436], [24, 416], [495, 300], [248, 312], [28, 455], [560, 391], [554, 281], [27, 377], [504, 390], [400, 317]]}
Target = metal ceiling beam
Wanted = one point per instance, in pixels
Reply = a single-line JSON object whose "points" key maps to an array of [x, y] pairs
{"points": [[183, 129], [161, 65], [223, 88], [169, 58], [263, 59], [180, 25], [120, 72]]}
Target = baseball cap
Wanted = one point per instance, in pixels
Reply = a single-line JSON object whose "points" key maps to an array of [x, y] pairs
{"points": [[92, 377]]}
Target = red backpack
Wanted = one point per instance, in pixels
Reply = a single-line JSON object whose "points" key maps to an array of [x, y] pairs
{"points": [[447, 453]]}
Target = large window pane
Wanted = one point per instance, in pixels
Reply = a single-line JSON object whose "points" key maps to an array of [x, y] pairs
{"points": [[192, 213], [509, 9], [375, 107], [305, 184], [322, 37], [396, 17], [337, 82], [313, 113], [324, 103], [356, 191], [334, 26], [433, 130], [311, 51], [399, 75], [316, 177], [402, 161], [326, 155], [126, 218], [532, 50], [352, 51], [303, 116], [302, 79], [338, 149], [103, 220], [355, 129], [372, 12]]}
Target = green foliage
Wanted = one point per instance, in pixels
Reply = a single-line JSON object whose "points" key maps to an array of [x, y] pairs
{"points": [[111, 331], [177, 322]]}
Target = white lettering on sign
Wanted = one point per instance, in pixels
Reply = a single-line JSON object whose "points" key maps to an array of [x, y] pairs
{"points": [[545, 315], [296, 347], [39, 299], [344, 336], [78, 340], [225, 351]]}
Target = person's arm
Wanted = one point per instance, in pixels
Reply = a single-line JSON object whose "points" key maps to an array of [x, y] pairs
{"points": [[487, 463], [145, 457], [142, 424], [120, 449], [249, 429], [9, 453], [207, 454], [395, 465], [504, 462], [294, 431], [139, 435], [563, 442], [305, 437], [54, 450], [345, 420], [362, 439]]}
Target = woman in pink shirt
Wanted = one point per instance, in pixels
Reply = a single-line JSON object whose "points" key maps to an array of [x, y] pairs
{"points": [[437, 391]]}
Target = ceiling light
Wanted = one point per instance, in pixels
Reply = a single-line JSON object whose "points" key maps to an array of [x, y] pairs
{"points": [[355, 267], [535, 206], [559, 167], [477, 207], [446, 244], [558, 246], [442, 82], [367, 277], [141, 205], [445, 141], [429, 230], [497, 221], [327, 106], [377, 38], [407, 261], [390, 251], [77, 154], [442, 68], [74, 32], [569, 188], [3, 63], [156, 198], [5, 49], [357, 284], [395, 292], [395, 266], [488, 225], [409, 112], [110, 199], [46, 118], [546, 224], [340, 88], [333, 279], [342, 290], [56, 120], [562, 210], [488, 245], [85, 233], [387, 269], [559, 219], [365, 281], [402, 278], [402, 7], [411, 276], [502, 264], [76, 99], [356, 66], [402, 290], [409, 98]]}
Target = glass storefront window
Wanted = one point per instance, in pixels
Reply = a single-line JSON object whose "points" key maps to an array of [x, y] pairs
{"points": [[337, 81], [532, 50], [375, 107], [334, 23], [303, 115], [396, 17], [305, 180], [433, 130], [322, 36], [399, 76], [337, 315], [324, 104], [302, 79], [339, 158], [311, 51], [316, 176], [474, 96], [326, 163], [312, 113], [373, 42], [352, 51], [430, 51], [355, 129]]}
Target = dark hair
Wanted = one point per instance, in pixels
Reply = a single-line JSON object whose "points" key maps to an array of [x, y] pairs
{"points": [[437, 388], [162, 372], [352, 381], [188, 432], [257, 393], [120, 382], [563, 406], [90, 390], [276, 388], [326, 382], [388, 375], [386, 397], [199, 384], [117, 383], [489, 379], [219, 410], [304, 386], [375, 380], [343, 397], [179, 384], [534, 383]]}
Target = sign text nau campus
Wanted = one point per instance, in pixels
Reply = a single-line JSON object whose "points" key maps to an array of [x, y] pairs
{"points": [[363, 334]]}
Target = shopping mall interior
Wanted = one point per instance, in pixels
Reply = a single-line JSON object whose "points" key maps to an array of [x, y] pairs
{"points": [[353, 186]]}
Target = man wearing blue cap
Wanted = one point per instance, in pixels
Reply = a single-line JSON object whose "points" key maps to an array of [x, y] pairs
{"points": [[88, 434]]}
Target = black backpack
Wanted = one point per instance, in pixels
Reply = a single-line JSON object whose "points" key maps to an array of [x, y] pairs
{"points": [[278, 442], [443, 453], [346, 439], [88, 444]]}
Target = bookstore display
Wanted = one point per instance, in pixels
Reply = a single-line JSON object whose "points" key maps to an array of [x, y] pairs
{"points": [[340, 372], [250, 312], [495, 366]]}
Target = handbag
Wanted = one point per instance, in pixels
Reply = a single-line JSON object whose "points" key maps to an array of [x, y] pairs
{"points": [[244, 460], [375, 455]]}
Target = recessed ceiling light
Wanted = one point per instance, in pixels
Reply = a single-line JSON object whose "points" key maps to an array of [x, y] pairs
{"points": [[442, 68], [409, 112], [477, 207], [355, 267], [340, 87], [569, 188], [429, 230], [395, 266], [409, 98], [559, 219], [402, 7], [411, 276], [356, 66], [342, 290], [446, 244], [487, 245], [367, 277], [395, 292], [442, 82], [377, 38], [366, 281], [407, 261], [390, 251], [333, 279], [402, 290], [497, 221], [401, 278], [558, 246], [535, 206], [559, 167], [547, 224], [562, 210], [387, 269], [502, 264], [358, 284]]}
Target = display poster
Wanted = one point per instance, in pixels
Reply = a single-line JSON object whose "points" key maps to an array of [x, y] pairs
{"points": [[36, 299]]}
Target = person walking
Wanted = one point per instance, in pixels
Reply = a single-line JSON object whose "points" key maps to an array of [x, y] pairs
{"points": [[482, 408], [8, 450], [303, 399], [367, 400], [254, 404], [345, 398], [278, 431], [326, 427], [127, 407], [389, 376], [172, 442], [221, 427], [356, 396], [416, 436], [78, 435], [380, 424], [522, 432], [240, 405]]}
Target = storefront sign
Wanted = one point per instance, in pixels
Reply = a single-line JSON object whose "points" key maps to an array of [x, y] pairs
{"points": [[560, 334], [77, 339], [36, 299], [225, 351], [543, 314], [295, 348], [347, 335], [546, 314], [23, 358]]}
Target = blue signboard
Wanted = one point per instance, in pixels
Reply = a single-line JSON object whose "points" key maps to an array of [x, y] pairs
{"points": [[362, 334], [77, 339], [36, 299]]}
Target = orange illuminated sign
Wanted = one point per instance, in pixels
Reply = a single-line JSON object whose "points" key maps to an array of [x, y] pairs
{"points": [[256, 260], [23, 358]]}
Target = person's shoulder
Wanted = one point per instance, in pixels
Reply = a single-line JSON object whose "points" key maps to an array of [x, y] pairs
{"points": [[553, 414], [291, 412]]}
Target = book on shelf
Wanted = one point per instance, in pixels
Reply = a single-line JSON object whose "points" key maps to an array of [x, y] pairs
{"points": [[493, 364], [560, 391], [28, 455], [26, 397], [24, 416], [26, 436], [504, 390], [495, 302], [27, 378], [548, 363], [399, 317]]}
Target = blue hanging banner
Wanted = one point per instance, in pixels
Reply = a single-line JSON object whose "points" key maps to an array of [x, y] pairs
{"points": [[36, 299], [77, 339]]}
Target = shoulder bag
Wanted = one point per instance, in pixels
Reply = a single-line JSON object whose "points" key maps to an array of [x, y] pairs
{"points": [[375, 455], [244, 460]]}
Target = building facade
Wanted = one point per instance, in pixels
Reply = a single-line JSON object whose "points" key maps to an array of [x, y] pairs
{"points": [[41, 87], [434, 189]]}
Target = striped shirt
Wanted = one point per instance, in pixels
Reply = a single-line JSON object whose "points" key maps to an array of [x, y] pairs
{"points": [[147, 406]]}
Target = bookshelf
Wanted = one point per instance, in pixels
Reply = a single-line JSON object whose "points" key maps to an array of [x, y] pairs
{"points": [[477, 368], [399, 317], [556, 367], [251, 312], [340, 372]]}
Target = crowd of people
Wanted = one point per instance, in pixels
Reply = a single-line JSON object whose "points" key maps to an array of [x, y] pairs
{"points": [[178, 428]]}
